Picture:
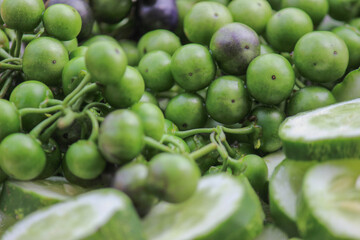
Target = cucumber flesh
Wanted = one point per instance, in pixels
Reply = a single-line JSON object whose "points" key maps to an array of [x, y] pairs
{"points": [[330, 202], [284, 189], [271, 232], [100, 214], [223, 207], [19, 198], [272, 160], [331, 132]]}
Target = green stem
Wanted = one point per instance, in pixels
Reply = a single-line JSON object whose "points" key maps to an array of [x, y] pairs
{"points": [[188, 133], [5, 87], [82, 84], [95, 126], [11, 34], [77, 104], [97, 105], [155, 144], [18, 43], [222, 152], [10, 66], [237, 166], [84, 130], [41, 126], [13, 47], [245, 130], [69, 118], [50, 102], [19, 60], [299, 83], [203, 151], [26, 111], [100, 119], [48, 132], [166, 138], [168, 94], [89, 88], [5, 75], [229, 149], [29, 37], [4, 54]]}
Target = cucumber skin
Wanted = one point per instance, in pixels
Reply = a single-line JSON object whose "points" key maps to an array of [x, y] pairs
{"points": [[114, 229], [283, 220], [322, 150], [16, 204], [249, 217], [309, 227]]}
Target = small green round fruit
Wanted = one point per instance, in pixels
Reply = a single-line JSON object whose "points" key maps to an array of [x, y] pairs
{"points": [[22, 15], [321, 56], [286, 27], [269, 119], [309, 98], [204, 19], [317, 9], [159, 39], [9, 119], [30, 94], [187, 111], [270, 78], [155, 68], [44, 60], [254, 14], [106, 62], [193, 67], [62, 22], [84, 160], [173, 177], [21, 157], [256, 171], [127, 91], [227, 100], [152, 118], [121, 136]]}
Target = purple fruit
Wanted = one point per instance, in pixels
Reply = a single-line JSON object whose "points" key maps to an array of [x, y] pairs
{"points": [[156, 14], [234, 46]]}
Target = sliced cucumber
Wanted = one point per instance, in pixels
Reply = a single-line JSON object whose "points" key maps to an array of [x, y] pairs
{"points": [[223, 207], [284, 190], [6, 221], [97, 215], [19, 199], [330, 204], [271, 232], [331, 132], [272, 160]]}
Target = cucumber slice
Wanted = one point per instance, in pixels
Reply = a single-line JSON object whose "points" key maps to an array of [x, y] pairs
{"points": [[6, 221], [272, 160], [97, 215], [223, 207], [271, 232], [331, 132], [330, 203], [284, 190], [19, 199]]}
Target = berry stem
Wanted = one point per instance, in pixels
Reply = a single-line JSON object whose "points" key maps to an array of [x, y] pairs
{"points": [[95, 126], [155, 144]]}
